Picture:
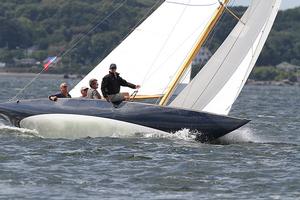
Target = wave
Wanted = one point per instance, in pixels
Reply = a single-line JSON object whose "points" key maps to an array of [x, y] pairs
{"points": [[241, 135], [184, 134], [10, 130]]}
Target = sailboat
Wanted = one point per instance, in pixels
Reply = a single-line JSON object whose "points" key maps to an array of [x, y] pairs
{"points": [[158, 55]]}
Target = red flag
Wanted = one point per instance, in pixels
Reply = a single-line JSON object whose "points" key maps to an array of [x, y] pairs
{"points": [[49, 61]]}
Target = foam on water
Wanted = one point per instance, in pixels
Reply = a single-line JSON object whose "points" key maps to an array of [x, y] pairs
{"points": [[4, 129], [184, 134], [242, 135]]}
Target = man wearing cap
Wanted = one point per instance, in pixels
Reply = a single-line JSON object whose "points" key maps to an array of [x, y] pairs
{"points": [[63, 93], [92, 93], [111, 84], [84, 91]]}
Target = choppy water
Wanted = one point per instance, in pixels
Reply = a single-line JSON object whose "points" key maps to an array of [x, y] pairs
{"points": [[261, 160]]}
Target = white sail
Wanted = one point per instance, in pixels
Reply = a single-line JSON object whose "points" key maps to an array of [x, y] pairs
{"points": [[219, 83], [154, 51]]}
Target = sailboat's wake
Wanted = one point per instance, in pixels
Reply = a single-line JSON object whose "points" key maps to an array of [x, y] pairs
{"points": [[184, 134], [10, 130]]}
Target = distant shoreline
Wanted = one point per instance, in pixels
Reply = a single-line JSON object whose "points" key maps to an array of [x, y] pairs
{"points": [[275, 83], [27, 74], [249, 82]]}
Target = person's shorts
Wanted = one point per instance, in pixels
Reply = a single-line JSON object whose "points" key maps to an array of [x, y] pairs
{"points": [[116, 97]]}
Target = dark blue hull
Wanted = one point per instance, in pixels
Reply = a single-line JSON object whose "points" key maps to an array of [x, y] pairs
{"points": [[167, 119]]}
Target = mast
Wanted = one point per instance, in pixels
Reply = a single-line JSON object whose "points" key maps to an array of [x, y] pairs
{"points": [[193, 53]]}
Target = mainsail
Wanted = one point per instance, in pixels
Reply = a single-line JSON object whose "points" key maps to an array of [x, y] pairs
{"points": [[156, 49], [219, 83]]}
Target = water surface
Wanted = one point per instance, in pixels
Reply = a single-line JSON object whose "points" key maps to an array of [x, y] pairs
{"points": [[260, 160]]}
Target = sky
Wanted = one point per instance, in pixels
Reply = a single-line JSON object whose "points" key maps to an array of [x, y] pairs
{"points": [[285, 4]]}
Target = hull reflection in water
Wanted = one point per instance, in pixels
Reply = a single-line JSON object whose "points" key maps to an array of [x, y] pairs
{"points": [[130, 114]]}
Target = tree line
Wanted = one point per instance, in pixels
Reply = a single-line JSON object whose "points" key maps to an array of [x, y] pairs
{"points": [[42, 28]]}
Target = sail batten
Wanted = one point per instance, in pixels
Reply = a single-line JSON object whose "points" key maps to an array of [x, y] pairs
{"points": [[154, 51], [218, 84]]}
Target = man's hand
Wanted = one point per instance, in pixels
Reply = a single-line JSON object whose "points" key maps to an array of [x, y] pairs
{"points": [[137, 87], [53, 98]]}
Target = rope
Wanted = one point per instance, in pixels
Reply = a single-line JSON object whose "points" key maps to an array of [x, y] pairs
{"points": [[62, 54], [133, 95], [164, 44], [234, 15], [93, 28], [209, 82], [136, 25], [208, 41], [27, 85]]}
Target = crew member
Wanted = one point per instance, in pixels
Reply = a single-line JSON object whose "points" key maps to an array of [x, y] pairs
{"points": [[92, 93], [63, 93], [84, 91], [111, 83]]}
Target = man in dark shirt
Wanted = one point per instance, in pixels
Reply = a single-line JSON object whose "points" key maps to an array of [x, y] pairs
{"points": [[111, 84], [63, 93]]}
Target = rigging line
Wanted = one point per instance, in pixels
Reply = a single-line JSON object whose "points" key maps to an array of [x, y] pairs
{"points": [[234, 15], [164, 44], [92, 29], [91, 22], [27, 85], [209, 82], [207, 43], [141, 20], [133, 95], [193, 53], [187, 4], [182, 78], [136, 25], [192, 83], [172, 53], [61, 54]]}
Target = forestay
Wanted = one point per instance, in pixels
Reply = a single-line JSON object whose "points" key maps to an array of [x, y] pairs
{"points": [[154, 51], [219, 83]]}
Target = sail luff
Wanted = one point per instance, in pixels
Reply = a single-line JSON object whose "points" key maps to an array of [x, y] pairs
{"points": [[193, 53]]}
